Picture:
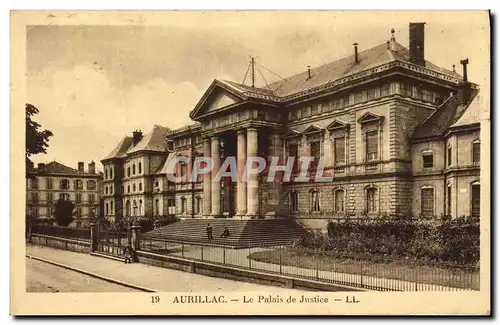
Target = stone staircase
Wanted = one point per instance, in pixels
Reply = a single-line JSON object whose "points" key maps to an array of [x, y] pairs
{"points": [[244, 233]]}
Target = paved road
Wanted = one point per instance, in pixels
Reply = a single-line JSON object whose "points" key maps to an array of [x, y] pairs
{"points": [[44, 277], [156, 278]]}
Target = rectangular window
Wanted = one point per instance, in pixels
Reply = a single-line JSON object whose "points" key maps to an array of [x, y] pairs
{"points": [[91, 198], [105, 174], [34, 183], [50, 212], [111, 206], [314, 109], [50, 198], [339, 201], [371, 201], [78, 212], [140, 168], [339, 150], [64, 184], [358, 97], [385, 90], [78, 197], [476, 153], [371, 145], [107, 208], [371, 94], [448, 157], [49, 183], [427, 201], [315, 152], [78, 184], [293, 151], [34, 197], [428, 160]]}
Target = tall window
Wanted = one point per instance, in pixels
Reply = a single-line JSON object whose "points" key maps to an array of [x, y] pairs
{"points": [[78, 197], [64, 196], [140, 207], [111, 205], [448, 200], [105, 174], [128, 171], [78, 212], [293, 151], [315, 152], [50, 198], [475, 199], [448, 156], [105, 190], [315, 201], [50, 212], [133, 187], [427, 198], [64, 184], [339, 150], [140, 167], [199, 205], [107, 208], [339, 195], [428, 159], [34, 197], [405, 89], [371, 200], [157, 207], [111, 172], [133, 169], [183, 205], [140, 187], [293, 205], [371, 145], [91, 198], [49, 183], [128, 188], [476, 152]]}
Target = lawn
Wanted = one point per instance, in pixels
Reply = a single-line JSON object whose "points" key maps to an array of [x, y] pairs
{"points": [[457, 277]]}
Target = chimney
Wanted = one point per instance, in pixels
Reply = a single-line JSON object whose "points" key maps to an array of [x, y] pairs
{"points": [[417, 41], [356, 58], [308, 72], [136, 136], [80, 166], [92, 167], [464, 89]]}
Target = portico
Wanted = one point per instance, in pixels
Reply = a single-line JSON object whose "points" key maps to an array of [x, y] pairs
{"points": [[233, 126]]}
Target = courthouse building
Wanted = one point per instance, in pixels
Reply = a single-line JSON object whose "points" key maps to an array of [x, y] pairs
{"points": [[53, 181], [399, 135]]}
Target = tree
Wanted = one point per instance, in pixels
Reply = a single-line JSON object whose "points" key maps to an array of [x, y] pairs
{"points": [[37, 140], [63, 212]]}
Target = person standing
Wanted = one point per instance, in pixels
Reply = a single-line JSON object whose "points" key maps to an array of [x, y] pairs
{"points": [[209, 231]]}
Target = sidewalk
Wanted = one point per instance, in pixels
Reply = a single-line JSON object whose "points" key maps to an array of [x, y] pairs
{"points": [[156, 278]]}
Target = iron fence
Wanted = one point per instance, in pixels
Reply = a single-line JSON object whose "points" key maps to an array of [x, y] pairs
{"points": [[113, 242], [316, 265]]}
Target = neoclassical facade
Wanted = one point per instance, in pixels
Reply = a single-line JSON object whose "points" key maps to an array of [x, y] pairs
{"points": [[399, 135]]}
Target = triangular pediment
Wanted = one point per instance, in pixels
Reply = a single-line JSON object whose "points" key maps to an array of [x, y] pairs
{"points": [[216, 97], [313, 129], [370, 117], [337, 125], [292, 134]]}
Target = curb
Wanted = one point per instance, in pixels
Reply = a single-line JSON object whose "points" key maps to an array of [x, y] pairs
{"points": [[94, 275]]}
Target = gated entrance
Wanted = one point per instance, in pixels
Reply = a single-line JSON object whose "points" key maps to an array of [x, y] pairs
{"points": [[113, 241]]}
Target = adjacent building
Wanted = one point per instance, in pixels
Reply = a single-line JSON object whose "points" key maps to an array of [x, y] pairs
{"points": [[399, 134], [53, 181]]}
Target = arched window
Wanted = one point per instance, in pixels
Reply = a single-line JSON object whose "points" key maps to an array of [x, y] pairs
{"points": [[339, 200], [293, 204], [183, 205], [315, 206], [199, 205], [140, 187], [140, 168], [371, 199], [476, 152], [140, 207], [127, 208], [133, 169], [135, 207], [133, 187]]}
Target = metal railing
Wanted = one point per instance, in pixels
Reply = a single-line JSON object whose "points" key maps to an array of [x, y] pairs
{"points": [[82, 234], [316, 265]]}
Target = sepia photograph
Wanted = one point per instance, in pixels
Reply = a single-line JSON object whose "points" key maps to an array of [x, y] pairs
{"points": [[250, 162]]}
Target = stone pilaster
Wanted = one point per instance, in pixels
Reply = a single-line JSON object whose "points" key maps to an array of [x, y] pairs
{"points": [[207, 182], [242, 184], [253, 180], [216, 199]]}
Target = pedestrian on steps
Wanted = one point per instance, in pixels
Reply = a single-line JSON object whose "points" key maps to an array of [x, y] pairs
{"points": [[209, 232]]}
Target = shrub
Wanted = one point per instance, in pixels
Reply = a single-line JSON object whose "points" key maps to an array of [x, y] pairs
{"points": [[423, 240]]}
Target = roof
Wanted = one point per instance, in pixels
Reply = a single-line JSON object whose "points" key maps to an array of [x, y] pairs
{"points": [[327, 73], [446, 115], [471, 114], [162, 168], [120, 150], [55, 167], [153, 141]]}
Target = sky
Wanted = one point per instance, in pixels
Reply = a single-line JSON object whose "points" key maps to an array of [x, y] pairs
{"points": [[94, 84]]}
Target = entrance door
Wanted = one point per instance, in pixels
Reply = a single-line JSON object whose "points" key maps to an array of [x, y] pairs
{"points": [[475, 199]]}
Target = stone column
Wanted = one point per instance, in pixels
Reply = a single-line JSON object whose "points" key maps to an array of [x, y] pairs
{"points": [[216, 204], [276, 186], [94, 237], [207, 182], [242, 184], [253, 180], [136, 240]]}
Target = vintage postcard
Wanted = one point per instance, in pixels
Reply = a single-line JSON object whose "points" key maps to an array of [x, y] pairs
{"points": [[250, 163]]}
